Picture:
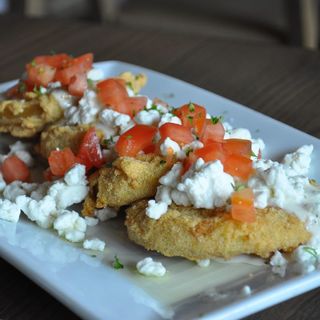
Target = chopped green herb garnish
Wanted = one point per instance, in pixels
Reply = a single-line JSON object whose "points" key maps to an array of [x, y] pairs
{"points": [[313, 182], [253, 154], [129, 85], [107, 142], [138, 76], [145, 108], [22, 87], [215, 120], [238, 186], [154, 107], [191, 107], [117, 263], [38, 90], [311, 251], [129, 136], [163, 161], [33, 63], [188, 151], [90, 83], [190, 118]]}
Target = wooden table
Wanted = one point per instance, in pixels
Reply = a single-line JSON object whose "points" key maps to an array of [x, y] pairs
{"points": [[279, 81]]}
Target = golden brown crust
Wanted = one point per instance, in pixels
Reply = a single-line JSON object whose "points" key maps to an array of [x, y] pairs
{"points": [[128, 180], [203, 234], [137, 82], [25, 118]]}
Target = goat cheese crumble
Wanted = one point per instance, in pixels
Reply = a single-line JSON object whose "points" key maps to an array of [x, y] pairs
{"points": [[94, 244], [148, 267]]}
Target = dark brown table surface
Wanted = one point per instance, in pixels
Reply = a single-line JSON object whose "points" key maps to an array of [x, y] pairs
{"points": [[279, 81]]}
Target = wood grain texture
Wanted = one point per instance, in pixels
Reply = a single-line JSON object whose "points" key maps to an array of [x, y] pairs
{"points": [[281, 82]]}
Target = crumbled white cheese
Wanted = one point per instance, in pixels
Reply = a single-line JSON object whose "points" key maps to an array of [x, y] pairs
{"points": [[170, 179], [76, 176], [2, 183], [156, 209], [42, 212], [64, 99], [169, 118], [203, 263], [279, 264], [163, 194], [94, 244], [91, 221], [114, 122], [105, 213], [206, 185], [148, 267], [147, 117], [246, 291], [9, 211], [170, 147], [22, 151], [299, 161], [87, 110], [70, 225], [95, 75], [18, 188]]}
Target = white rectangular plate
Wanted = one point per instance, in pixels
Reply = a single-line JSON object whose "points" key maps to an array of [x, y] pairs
{"points": [[88, 284]]}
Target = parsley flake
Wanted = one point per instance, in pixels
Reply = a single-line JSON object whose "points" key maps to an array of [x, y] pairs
{"points": [[191, 107], [129, 137], [239, 186], [22, 87], [253, 154], [163, 161], [190, 118], [90, 83], [38, 90], [117, 263], [311, 251], [107, 142], [33, 63], [188, 151], [129, 85], [215, 120]]}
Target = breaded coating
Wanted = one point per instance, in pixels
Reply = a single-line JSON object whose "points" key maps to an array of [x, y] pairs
{"points": [[56, 137], [61, 137], [198, 234], [25, 118], [136, 82], [128, 180]]}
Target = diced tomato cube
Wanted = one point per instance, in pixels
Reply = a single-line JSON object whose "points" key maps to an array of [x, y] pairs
{"points": [[90, 150], [60, 161], [238, 146], [78, 84], [213, 132], [135, 139], [14, 169], [192, 116], [57, 61], [238, 166], [40, 74], [242, 205], [176, 132], [111, 92], [133, 105], [212, 151]]}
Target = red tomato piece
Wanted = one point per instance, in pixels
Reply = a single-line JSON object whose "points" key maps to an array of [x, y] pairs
{"points": [[90, 150], [238, 166], [176, 132], [12, 91], [242, 205], [132, 105], [60, 161], [78, 84], [40, 74], [76, 66], [135, 139], [238, 146], [213, 132], [14, 169], [57, 61], [111, 92], [188, 162], [192, 116], [210, 152]]}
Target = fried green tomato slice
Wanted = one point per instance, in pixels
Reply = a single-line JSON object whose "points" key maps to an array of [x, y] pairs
{"points": [[198, 234]]}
